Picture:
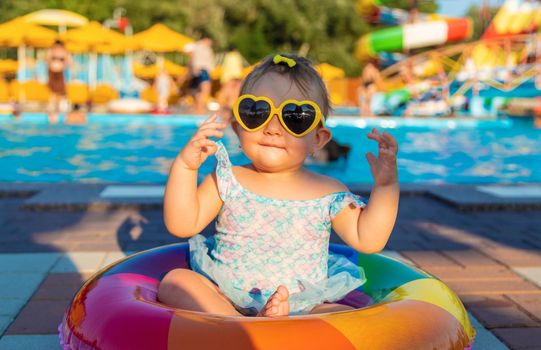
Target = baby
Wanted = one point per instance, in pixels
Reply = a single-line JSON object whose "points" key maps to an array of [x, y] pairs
{"points": [[269, 256]]}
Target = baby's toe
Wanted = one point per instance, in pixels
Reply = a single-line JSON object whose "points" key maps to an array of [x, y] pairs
{"points": [[282, 293]]}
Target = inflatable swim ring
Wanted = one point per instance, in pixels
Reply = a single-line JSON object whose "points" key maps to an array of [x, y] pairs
{"points": [[6, 108], [401, 308], [129, 105]]}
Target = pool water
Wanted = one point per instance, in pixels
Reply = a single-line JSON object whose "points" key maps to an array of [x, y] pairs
{"points": [[140, 149]]}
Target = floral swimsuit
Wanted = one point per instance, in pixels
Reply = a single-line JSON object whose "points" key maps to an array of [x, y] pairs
{"points": [[262, 242]]}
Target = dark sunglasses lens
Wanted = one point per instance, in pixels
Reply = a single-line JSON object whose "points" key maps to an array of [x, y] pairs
{"points": [[298, 118], [253, 113]]}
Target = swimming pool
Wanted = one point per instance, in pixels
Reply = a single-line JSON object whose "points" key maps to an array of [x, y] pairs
{"points": [[140, 149]]}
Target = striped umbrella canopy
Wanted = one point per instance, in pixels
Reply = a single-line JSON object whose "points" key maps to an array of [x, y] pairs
{"points": [[53, 17]]}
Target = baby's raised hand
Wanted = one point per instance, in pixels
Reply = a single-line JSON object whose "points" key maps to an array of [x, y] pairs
{"points": [[383, 167], [199, 148]]}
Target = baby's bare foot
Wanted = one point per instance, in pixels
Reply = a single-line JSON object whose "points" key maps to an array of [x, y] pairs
{"points": [[278, 304]]}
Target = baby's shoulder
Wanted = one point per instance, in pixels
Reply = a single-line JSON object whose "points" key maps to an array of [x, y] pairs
{"points": [[325, 185], [242, 171]]}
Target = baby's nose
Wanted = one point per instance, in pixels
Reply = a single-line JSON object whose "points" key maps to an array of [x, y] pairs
{"points": [[273, 127]]}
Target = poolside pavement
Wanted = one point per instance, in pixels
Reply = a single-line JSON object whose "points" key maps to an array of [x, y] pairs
{"points": [[53, 237]]}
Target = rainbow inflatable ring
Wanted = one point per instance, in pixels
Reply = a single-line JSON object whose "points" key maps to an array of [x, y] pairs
{"points": [[400, 307]]}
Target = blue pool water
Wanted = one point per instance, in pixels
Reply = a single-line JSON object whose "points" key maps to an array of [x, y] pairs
{"points": [[140, 149]]}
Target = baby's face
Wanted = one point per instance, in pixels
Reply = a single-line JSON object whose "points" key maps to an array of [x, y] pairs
{"points": [[272, 148]]}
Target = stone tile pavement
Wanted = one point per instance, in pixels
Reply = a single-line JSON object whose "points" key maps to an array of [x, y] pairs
{"points": [[492, 259]]}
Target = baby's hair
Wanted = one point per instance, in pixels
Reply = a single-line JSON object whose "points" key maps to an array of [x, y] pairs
{"points": [[303, 75]]}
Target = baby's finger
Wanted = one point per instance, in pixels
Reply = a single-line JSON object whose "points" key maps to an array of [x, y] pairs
{"points": [[213, 125], [375, 131], [391, 141], [387, 153], [376, 136], [203, 143], [211, 119], [205, 133], [371, 158]]}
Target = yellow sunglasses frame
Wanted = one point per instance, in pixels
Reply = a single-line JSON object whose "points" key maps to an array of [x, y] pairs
{"points": [[278, 112]]}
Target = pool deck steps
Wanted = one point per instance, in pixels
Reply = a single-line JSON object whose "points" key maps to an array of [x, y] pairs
{"points": [[79, 196]]}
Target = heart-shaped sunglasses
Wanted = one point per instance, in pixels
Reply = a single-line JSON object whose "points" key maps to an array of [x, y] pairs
{"points": [[297, 117]]}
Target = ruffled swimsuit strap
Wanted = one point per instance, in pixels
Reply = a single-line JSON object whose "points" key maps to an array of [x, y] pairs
{"points": [[224, 171], [340, 200]]}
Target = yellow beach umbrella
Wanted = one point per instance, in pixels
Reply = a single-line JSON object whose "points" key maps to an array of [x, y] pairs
{"points": [[75, 47], [118, 43], [8, 66], [89, 35], [97, 38], [174, 69], [17, 32], [329, 72], [148, 72], [160, 38], [53, 17]]}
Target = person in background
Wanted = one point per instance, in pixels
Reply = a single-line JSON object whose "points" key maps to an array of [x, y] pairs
{"points": [[201, 64], [231, 78], [537, 117], [331, 152], [163, 84], [371, 83], [413, 12], [58, 60], [76, 116]]}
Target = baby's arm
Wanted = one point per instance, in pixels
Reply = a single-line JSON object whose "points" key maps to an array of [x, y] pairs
{"points": [[368, 230], [188, 209]]}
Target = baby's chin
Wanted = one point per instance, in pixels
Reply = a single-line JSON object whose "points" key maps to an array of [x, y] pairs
{"points": [[276, 162], [270, 163]]}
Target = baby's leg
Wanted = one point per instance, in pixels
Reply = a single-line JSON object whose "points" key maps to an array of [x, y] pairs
{"points": [[188, 290], [324, 308]]}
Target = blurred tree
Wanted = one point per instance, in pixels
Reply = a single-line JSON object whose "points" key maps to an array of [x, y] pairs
{"points": [[97, 10], [481, 19], [428, 6], [323, 30]]}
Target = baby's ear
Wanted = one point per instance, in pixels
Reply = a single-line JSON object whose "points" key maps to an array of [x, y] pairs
{"points": [[323, 136]]}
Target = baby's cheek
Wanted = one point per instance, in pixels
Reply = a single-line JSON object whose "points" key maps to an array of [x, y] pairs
{"points": [[305, 144], [245, 137]]}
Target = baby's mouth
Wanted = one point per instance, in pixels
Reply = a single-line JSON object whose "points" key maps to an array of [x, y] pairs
{"points": [[271, 145]]}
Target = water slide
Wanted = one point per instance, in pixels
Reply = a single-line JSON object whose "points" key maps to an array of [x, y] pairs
{"points": [[413, 36], [496, 58], [430, 30], [515, 17]]}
